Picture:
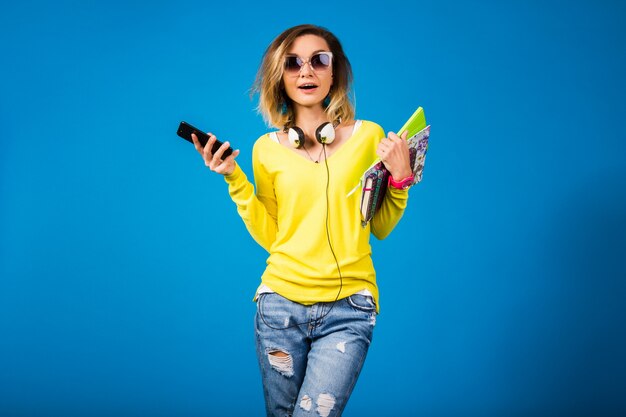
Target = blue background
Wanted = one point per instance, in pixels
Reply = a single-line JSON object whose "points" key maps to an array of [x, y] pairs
{"points": [[127, 276]]}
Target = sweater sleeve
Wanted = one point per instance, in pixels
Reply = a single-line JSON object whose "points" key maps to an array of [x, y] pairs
{"points": [[390, 212], [258, 211]]}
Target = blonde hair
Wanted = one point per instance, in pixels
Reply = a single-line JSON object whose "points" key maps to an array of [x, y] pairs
{"points": [[269, 85]]}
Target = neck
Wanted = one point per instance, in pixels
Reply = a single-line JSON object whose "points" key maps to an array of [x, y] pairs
{"points": [[309, 119]]}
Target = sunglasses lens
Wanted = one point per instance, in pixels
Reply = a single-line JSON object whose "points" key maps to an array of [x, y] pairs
{"points": [[320, 61], [292, 64]]}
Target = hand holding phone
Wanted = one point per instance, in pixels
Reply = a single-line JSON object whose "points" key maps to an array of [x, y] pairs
{"points": [[220, 161], [185, 130]]}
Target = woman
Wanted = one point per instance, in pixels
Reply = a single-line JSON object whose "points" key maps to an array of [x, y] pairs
{"points": [[318, 299]]}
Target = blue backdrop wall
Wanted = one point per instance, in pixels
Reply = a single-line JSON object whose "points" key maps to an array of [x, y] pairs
{"points": [[119, 295]]}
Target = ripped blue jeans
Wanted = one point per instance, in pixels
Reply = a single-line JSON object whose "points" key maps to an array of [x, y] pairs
{"points": [[310, 358]]}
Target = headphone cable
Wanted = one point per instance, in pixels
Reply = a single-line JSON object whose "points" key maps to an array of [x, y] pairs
{"points": [[332, 250]]}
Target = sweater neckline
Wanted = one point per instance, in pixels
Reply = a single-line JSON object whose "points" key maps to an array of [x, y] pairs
{"points": [[357, 128]]}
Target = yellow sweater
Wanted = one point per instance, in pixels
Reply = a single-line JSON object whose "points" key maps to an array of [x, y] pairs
{"points": [[287, 217]]}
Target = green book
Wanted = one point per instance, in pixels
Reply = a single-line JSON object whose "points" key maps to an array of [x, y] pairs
{"points": [[415, 123]]}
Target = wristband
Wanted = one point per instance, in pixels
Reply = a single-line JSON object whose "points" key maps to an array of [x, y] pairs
{"points": [[403, 184]]}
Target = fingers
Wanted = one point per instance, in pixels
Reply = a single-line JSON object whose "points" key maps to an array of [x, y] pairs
{"points": [[212, 160], [196, 143], [223, 166], [392, 137], [227, 166], [384, 149], [392, 144], [395, 138], [206, 152], [220, 151], [232, 156], [230, 161], [394, 152]]}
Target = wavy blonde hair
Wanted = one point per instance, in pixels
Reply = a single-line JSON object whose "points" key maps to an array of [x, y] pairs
{"points": [[269, 79]]}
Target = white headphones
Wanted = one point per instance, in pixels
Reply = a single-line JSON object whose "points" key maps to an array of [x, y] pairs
{"points": [[325, 134]]}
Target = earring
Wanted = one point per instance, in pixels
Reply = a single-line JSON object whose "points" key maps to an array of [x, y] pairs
{"points": [[283, 108], [326, 101]]}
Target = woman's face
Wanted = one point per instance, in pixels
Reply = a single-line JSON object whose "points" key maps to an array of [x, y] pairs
{"points": [[309, 85]]}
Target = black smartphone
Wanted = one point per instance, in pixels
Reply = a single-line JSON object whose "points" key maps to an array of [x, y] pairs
{"points": [[185, 130]]}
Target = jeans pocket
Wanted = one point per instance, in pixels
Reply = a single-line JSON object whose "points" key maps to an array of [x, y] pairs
{"points": [[362, 303]]}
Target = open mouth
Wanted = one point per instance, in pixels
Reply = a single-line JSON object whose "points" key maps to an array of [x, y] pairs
{"points": [[307, 86]]}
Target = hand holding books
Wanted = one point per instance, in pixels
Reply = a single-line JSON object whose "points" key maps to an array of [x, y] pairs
{"points": [[393, 152], [375, 179]]}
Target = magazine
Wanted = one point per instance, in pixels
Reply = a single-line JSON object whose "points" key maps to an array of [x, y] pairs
{"points": [[375, 179]]}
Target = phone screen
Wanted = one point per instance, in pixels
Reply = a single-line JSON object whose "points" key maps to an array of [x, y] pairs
{"points": [[185, 130]]}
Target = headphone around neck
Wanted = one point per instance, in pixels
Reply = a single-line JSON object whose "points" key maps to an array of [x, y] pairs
{"points": [[324, 134]]}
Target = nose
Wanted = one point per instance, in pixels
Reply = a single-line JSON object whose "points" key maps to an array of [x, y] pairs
{"points": [[306, 69]]}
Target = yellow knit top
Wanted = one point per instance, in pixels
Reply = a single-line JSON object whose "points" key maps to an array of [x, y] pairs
{"points": [[287, 216]]}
